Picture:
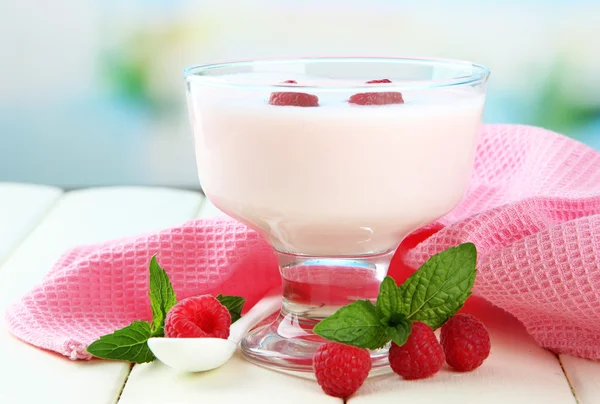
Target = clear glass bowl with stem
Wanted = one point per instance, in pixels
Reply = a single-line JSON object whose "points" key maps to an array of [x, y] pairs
{"points": [[333, 171]]}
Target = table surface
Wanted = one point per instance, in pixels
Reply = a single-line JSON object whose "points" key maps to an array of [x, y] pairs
{"points": [[37, 223]]}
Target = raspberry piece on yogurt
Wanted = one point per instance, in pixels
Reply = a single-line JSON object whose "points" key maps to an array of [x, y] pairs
{"points": [[380, 81], [383, 98], [294, 99], [376, 98]]}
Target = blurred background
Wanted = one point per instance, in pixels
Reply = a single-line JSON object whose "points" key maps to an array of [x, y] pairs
{"points": [[91, 91]]}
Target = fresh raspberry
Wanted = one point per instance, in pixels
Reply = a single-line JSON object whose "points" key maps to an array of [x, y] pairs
{"points": [[466, 342], [290, 82], [389, 97], [198, 317], [384, 98], [381, 81], [341, 369], [294, 99], [420, 357]]}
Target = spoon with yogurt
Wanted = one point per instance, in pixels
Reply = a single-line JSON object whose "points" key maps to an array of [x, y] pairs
{"points": [[202, 354]]}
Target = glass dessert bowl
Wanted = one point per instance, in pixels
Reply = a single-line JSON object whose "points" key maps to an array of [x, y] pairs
{"points": [[334, 161]]}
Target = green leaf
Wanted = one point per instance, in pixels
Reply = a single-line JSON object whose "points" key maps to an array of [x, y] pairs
{"points": [[234, 304], [128, 344], [398, 328], [389, 300], [162, 297], [440, 287], [356, 324]]}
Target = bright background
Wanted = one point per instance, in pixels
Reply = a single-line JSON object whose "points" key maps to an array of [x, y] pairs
{"points": [[91, 91]]}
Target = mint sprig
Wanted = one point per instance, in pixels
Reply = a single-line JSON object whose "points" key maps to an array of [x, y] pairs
{"points": [[397, 328], [131, 343], [356, 324], [433, 294], [388, 301], [162, 297], [234, 304], [440, 287]]}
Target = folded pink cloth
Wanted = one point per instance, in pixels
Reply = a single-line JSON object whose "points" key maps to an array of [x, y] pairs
{"points": [[532, 209]]}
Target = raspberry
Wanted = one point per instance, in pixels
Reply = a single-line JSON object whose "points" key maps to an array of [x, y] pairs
{"points": [[420, 357], [290, 82], [389, 97], [198, 317], [377, 98], [381, 81], [466, 342], [341, 369], [294, 99]]}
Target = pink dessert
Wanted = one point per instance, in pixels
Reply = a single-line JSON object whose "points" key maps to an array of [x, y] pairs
{"points": [[336, 179]]}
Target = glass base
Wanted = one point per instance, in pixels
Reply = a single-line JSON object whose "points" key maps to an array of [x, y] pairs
{"points": [[267, 347], [315, 288]]}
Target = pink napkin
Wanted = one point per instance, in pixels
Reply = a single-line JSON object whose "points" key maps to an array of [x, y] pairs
{"points": [[532, 209]]}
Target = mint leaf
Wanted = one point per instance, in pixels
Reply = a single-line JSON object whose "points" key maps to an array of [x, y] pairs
{"points": [[162, 297], [440, 287], [128, 344], [389, 300], [234, 304], [397, 328], [356, 324]]}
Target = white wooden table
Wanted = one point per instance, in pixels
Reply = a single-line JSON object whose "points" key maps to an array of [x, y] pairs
{"points": [[38, 223]]}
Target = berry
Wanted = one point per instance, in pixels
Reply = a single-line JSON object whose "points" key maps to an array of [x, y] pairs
{"points": [[390, 97], [290, 82], [384, 98], [466, 342], [381, 81], [341, 369], [198, 317], [420, 357], [294, 99]]}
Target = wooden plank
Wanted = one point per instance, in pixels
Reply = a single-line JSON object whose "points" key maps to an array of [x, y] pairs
{"points": [[517, 371], [22, 206], [584, 376], [30, 375], [236, 382]]}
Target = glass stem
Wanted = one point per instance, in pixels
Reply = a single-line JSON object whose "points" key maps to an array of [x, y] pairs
{"points": [[316, 287]]}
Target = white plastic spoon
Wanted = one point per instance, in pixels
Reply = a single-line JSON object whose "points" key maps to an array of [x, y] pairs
{"points": [[201, 354]]}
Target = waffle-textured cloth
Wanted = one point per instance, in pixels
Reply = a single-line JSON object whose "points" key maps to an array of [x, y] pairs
{"points": [[532, 209]]}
